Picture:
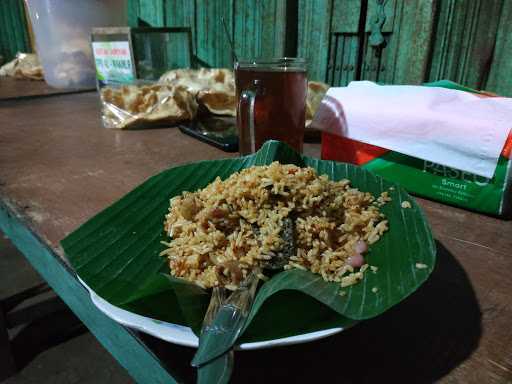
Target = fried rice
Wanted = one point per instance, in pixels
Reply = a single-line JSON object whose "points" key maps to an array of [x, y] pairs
{"points": [[220, 233]]}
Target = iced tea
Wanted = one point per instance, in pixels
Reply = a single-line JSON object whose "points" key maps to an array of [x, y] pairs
{"points": [[271, 103]]}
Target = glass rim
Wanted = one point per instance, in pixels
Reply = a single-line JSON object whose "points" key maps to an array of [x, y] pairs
{"points": [[293, 62]]}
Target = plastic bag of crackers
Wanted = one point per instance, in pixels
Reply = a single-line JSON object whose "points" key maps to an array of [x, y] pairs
{"points": [[179, 96]]}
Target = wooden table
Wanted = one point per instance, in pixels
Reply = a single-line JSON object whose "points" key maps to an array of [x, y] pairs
{"points": [[11, 88], [58, 167]]}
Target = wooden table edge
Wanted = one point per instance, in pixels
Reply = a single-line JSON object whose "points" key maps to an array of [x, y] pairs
{"points": [[122, 343]]}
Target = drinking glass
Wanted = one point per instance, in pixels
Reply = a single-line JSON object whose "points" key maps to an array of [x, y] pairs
{"points": [[271, 102]]}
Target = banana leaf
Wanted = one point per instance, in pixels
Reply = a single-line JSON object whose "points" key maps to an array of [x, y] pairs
{"points": [[116, 253]]}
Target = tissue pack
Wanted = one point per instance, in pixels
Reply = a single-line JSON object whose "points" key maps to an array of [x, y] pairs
{"points": [[390, 130], [428, 179]]}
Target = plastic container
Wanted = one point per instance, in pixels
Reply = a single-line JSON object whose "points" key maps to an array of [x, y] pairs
{"points": [[62, 31]]}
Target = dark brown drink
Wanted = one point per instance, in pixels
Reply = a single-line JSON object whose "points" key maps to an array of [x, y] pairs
{"points": [[275, 97]]}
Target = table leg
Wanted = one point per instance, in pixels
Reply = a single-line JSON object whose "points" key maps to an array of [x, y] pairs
{"points": [[122, 343]]}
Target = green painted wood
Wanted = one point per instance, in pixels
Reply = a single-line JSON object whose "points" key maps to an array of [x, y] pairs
{"points": [[405, 58], [500, 79], [152, 12], [133, 12], [343, 59], [427, 40], [13, 29], [314, 35], [389, 11], [155, 46], [122, 343], [345, 16], [7, 38], [260, 28], [212, 46], [414, 39], [180, 13], [344, 42], [464, 41]]}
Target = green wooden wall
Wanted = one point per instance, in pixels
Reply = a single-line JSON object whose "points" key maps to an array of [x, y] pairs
{"points": [[500, 74], [468, 41], [13, 29], [257, 27], [408, 33], [465, 40]]}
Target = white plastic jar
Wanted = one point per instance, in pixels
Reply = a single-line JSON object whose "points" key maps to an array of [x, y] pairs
{"points": [[62, 30]]}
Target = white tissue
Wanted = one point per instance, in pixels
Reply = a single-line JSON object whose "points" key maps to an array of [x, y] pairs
{"points": [[453, 128]]}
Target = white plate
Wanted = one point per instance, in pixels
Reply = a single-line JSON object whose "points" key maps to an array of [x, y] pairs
{"points": [[178, 334]]}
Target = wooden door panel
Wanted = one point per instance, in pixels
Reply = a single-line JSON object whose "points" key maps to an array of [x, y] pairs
{"points": [[343, 59], [404, 58]]}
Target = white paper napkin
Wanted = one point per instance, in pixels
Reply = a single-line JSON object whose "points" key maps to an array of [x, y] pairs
{"points": [[449, 127]]}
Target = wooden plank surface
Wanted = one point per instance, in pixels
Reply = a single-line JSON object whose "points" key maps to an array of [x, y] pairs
{"points": [[152, 12], [404, 58], [11, 88], [464, 42], [212, 45], [314, 30], [58, 167], [13, 29], [345, 42], [59, 142], [499, 79], [260, 28]]}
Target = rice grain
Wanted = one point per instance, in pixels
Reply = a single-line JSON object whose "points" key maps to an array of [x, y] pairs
{"points": [[221, 232]]}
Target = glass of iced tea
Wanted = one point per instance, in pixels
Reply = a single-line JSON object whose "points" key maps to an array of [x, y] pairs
{"points": [[271, 102]]}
